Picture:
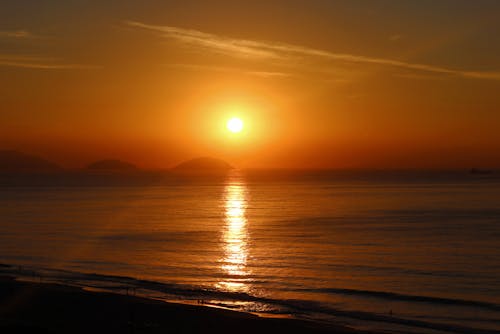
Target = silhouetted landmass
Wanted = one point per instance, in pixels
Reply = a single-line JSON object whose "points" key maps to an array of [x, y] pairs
{"points": [[203, 165], [478, 171], [21, 169], [112, 165], [14, 161]]}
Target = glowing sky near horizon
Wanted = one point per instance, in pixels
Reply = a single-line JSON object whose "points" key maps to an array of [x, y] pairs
{"points": [[383, 84]]}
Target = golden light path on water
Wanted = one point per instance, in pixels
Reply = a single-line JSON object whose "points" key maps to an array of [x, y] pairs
{"points": [[235, 236]]}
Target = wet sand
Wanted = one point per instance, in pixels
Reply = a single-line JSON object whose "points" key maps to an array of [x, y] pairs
{"points": [[51, 308]]}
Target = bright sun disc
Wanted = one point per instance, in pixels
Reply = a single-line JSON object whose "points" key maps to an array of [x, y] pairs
{"points": [[235, 125]]}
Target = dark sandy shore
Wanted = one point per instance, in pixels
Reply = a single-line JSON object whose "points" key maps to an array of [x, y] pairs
{"points": [[49, 308]]}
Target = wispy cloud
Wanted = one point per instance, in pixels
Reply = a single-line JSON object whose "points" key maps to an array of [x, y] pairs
{"points": [[221, 44], [34, 62], [269, 74], [395, 37], [42, 63], [492, 75], [19, 34], [229, 69], [278, 52]]}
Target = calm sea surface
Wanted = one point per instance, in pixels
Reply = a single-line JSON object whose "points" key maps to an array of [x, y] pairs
{"points": [[403, 251]]}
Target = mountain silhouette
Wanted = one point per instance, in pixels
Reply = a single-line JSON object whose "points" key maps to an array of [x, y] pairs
{"points": [[15, 161], [203, 164], [112, 165]]}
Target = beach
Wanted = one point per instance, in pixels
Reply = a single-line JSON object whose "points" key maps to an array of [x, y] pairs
{"points": [[52, 308]]}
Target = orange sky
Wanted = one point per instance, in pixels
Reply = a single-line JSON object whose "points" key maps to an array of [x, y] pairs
{"points": [[318, 83]]}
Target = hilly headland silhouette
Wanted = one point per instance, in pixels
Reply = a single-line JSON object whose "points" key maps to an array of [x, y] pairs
{"points": [[203, 164], [15, 161], [19, 168]]}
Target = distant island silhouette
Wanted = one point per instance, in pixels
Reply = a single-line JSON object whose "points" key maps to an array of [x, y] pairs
{"points": [[478, 171], [203, 165], [15, 161], [112, 165], [20, 162]]}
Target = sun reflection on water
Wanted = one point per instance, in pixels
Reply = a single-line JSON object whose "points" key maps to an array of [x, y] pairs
{"points": [[235, 236]]}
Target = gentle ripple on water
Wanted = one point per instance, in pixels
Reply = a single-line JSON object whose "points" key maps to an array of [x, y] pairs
{"points": [[424, 250]]}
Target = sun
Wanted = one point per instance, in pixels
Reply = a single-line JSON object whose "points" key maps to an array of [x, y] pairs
{"points": [[234, 125]]}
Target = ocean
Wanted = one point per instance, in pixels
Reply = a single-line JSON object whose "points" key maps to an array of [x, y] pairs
{"points": [[399, 251]]}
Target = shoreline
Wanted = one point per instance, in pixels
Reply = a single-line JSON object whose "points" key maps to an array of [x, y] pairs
{"points": [[56, 308], [51, 281]]}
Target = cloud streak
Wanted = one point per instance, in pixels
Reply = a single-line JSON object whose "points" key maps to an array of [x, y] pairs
{"points": [[280, 52], [220, 44], [18, 34], [34, 62], [42, 63], [228, 69]]}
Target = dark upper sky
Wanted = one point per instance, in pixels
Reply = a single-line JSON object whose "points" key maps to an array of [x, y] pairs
{"points": [[317, 83]]}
